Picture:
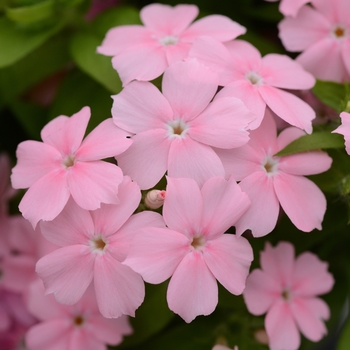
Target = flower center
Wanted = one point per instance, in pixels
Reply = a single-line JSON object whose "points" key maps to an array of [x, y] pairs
{"points": [[177, 128], [98, 244], [198, 242], [270, 165], [169, 40], [78, 320], [254, 78], [68, 161], [286, 294], [340, 32]]}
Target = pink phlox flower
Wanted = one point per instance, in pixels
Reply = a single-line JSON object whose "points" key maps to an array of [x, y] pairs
{"points": [[287, 289], [93, 246], [344, 129], [193, 250], [175, 131], [322, 33], [144, 52], [271, 181], [75, 327], [290, 7], [258, 81], [6, 190], [64, 165]]}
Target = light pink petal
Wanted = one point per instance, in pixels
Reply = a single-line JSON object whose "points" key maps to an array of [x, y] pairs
{"points": [[308, 318], [223, 124], [345, 53], [67, 272], [228, 258], [66, 134], [119, 290], [46, 198], [146, 160], [82, 340], [289, 107], [302, 201], [311, 276], [189, 158], [140, 107], [261, 217], [324, 60], [283, 72], [109, 218], [168, 20], [177, 52], [122, 38], [106, 140], [278, 262], [34, 160], [281, 328], [72, 226], [183, 206], [193, 289], [93, 183], [304, 30], [156, 252], [223, 204], [287, 136], [261, 292], [219, 27], [291, 7], [189, 87], [333, 10], [344, 129], [143, 62]]}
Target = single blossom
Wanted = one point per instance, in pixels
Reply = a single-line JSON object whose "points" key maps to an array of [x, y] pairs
{"points": [[344, 129], [144, 52], [64, 165], [271, 181], [193, 250], [93, 246], [322, 34], [287, 289], [75, 327], [258, 81], [175, 131], [290, 7]]}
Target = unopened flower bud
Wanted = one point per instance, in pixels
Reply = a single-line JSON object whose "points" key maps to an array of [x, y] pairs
{"points": [[155, 199]]}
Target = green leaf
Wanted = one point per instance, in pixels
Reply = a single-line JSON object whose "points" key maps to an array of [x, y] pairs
{"points": [[344, 341], [315, 141], [16, 43], [334, 95], [83, 49]]}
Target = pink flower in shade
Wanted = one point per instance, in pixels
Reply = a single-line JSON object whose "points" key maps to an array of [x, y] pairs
{"points": [[344, 129], [144, 52], [94, 243], [75, 327], [64, 165], [258, 81], [322, 32], [175, 131], [286, 288], [6, 191], [290, 7], [193, 250], [270, 180]]}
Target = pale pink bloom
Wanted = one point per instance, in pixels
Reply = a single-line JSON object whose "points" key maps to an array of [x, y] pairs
{"points": [[64, 165], [322, 32], [290, 7], [258, 81], [94, 243], [75, 327], [155, 199], [286, 288], [6, 190], [344, 129], [193, 250], [271, 181], [144, 52], [175, 131]]}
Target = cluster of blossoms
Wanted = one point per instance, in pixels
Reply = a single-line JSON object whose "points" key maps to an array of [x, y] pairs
{"points": [[92, 246]]}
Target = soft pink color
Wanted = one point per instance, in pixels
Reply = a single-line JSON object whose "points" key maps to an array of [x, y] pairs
{"points": [[175, 131], [144, 52], [290, 7], [193, 250], [344, 129], [64, 165], [270, 180], [322, 33], [286, 289], [258, 81], [154, 199]]}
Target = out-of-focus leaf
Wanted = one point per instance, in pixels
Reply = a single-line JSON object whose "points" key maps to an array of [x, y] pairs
{"points": [[83, 48], [344, 341], [315, 141], [19, 42]]}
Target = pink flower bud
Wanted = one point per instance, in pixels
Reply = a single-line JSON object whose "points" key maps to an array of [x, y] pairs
{"points": [[155, 199]]}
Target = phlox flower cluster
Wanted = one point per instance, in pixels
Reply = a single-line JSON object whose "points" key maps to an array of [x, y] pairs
{"points": [[209, 133]]}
